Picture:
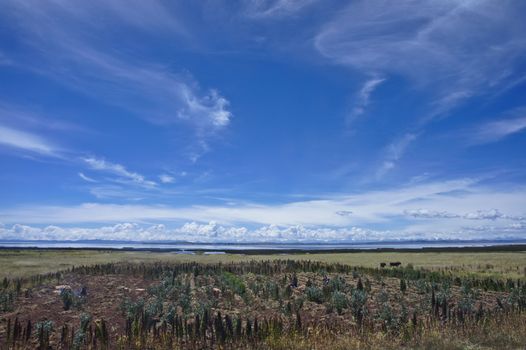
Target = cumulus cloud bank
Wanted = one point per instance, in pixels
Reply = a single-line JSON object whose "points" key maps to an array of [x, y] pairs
{"points": [[214, 232], [410, 212]]}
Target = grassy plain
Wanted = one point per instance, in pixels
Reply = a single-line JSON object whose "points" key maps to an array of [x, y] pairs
{"points": [[277, 304], [22, 263]]}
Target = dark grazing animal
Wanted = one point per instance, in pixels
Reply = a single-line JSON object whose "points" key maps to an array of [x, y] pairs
{"points": [[382, 264], [395, 264]]}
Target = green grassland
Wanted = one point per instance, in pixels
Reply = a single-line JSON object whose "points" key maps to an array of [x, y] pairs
{"points": [[21, 263], [475, 300]]}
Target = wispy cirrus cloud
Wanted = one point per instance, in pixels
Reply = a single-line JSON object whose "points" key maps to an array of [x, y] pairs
{"points": [[153, 15], [393, 152], [21, 117], [22, 142], [417, 40], [497, 130], [117, 169], [72, 53], [19, 140], [275, 8], [87, 178], [363, 98], [151, 91]]}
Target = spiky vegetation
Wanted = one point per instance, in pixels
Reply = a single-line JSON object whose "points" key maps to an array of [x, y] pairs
{"points": [[270, 304]]}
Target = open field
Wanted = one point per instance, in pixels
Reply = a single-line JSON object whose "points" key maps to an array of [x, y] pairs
{"points": [[261, 304], [105, 299], [20, 263]]}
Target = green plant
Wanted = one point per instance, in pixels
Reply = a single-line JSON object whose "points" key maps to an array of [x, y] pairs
{"points": [[314, 294], [468, 298], [44, 330], [517, 297], [386, 317], [101, 333], [7, 298], [339, 301], [382, 297], [68, 298], [444, 293], [358, 302], [359, 285], [234, 282], [403, 285], [422, 287], [78, 340]]}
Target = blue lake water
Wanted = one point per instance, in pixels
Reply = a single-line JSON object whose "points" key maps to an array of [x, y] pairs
{"points": [[218, 247]]}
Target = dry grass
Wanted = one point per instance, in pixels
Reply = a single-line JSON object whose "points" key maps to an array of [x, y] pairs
{"points": [[18, 263], [507, 332]]}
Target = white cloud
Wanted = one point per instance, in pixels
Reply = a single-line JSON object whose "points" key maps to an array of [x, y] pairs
{"points": [[28, 118], [74, 52], [122, 192], [411, 213], [213, 232], [363, 98], [151, 15], [496, 130], [275, 8], [421, 41], [25, 141], [430, 214], [424, 210], [449, 50], [166, 179], [151, 91], [86, 178], [117, 169], [491, 214], [394, 152]]}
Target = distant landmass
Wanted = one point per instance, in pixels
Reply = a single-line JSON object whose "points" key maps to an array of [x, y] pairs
{"points": [[252, 247]]}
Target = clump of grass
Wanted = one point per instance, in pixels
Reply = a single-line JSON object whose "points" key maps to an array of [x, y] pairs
{"points": [[314, 294], [339, 301], [234, 282]]}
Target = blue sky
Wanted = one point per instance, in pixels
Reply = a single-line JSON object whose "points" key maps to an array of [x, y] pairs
{"points": [[256, 120]]}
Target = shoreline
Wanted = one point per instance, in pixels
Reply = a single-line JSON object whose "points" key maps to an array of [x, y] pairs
{"points": [[277, 251]]}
